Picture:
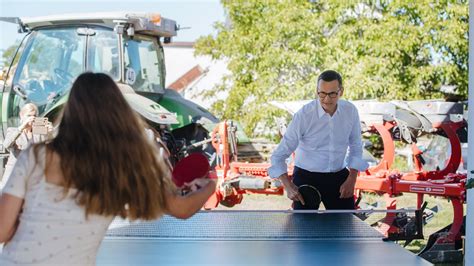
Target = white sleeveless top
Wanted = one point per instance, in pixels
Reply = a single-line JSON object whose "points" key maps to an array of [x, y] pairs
{"points": [[53, 229]]}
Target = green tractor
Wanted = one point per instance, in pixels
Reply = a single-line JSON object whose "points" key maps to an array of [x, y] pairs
{"points": [[126, 46]]}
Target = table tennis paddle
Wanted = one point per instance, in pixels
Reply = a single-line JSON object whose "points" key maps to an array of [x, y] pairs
{"points": [[189, 168], [311, 197]]}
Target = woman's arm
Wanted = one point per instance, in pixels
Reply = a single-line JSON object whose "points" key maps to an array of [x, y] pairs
{"points": [[10, 137], [13, 194], [183, 207], [13, 133], [10, 207]]}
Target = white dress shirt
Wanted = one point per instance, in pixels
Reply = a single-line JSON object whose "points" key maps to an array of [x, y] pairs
{"points": [[322, 143]]}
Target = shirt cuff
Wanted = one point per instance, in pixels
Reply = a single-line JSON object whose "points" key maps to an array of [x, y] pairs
{"points": [[275, 171], [357, 163]]}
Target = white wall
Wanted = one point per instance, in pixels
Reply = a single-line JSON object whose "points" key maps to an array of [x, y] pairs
{"points": [[180, 60]]}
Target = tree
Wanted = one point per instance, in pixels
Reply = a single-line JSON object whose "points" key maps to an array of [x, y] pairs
{"points": [[9, 53], [384, 49]]}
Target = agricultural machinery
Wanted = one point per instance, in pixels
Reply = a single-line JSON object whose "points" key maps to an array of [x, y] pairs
{"points": [[128, 47], [404, 122]]}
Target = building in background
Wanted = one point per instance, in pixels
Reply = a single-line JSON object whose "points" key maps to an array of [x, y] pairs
{"points": [[192, 76]]}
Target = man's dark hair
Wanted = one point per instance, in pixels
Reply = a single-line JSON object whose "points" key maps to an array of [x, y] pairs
{"points": [[330, 75]]}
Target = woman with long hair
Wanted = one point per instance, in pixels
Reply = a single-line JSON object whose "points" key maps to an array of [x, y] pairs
{"points": [[62, 196]]}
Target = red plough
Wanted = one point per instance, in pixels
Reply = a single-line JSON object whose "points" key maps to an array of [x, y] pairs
{"points": [[395, 121]]}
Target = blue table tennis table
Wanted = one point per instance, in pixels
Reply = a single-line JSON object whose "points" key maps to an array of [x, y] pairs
{"points": [[251, 238]]}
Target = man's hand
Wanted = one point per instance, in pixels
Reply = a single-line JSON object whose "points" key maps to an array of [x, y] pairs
{"points": [[291, 189], [347, 188]]}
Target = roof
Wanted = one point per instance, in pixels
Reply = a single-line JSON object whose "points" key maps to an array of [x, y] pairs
{"points": [[187, 78], [179, 45], [151, 23]]}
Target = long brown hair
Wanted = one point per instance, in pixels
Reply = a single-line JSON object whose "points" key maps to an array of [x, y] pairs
{"points": [[106, 155]]}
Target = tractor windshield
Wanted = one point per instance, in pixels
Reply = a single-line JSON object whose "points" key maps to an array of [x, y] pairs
{"points": [[144, 64], [54, 57]]}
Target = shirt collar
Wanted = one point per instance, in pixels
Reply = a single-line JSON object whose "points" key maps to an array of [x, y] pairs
{"points": [[338, 106], [321, 111]]}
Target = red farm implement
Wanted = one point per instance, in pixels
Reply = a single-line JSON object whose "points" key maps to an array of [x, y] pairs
{"points": [[405, 122]]}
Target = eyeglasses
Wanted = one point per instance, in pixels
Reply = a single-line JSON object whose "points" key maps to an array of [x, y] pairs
{"points": [[332, 94]]}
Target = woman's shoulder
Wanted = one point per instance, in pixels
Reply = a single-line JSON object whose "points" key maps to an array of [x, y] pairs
{"points": [[12, 132], [12, 129]]}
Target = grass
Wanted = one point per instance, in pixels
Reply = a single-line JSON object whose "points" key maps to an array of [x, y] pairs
{"points": [[440, 219]]}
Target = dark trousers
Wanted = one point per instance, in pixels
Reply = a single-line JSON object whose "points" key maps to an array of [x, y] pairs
{"points": [[328, 185]]}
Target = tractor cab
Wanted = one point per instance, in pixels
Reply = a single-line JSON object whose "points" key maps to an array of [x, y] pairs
{"points": [[126, 46], [57, 49]]}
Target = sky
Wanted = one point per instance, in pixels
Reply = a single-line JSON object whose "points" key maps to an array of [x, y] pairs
{"points": [[199, 15]]}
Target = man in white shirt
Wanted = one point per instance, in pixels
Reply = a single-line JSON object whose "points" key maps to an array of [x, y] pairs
{"points": [[326, 137]]}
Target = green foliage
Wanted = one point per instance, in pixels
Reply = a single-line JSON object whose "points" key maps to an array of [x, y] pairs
{"points": [[470, 184], [9, 53], [384, 49], [376, 148]]}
